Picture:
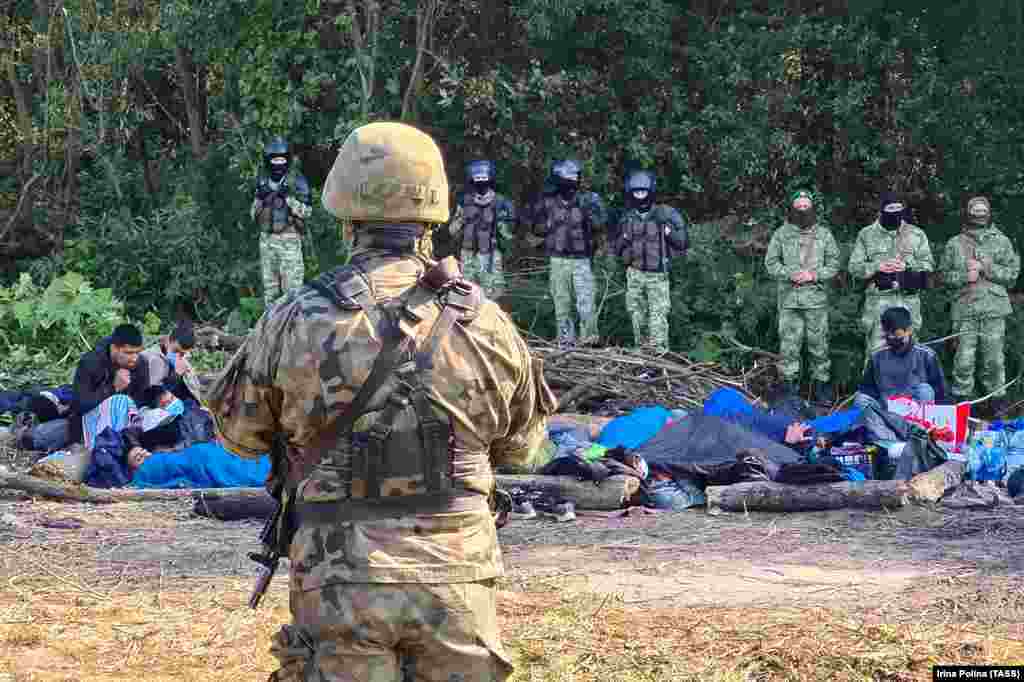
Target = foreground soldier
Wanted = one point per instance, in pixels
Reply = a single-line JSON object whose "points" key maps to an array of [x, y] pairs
{"points": [[803, 256], [980, 263], [566, 220], [486, 221], [649, 237], [395, 554], [280, 208], [893, 257]]}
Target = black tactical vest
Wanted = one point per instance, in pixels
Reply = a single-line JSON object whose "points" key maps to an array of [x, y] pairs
{"points": [[644, 243], [479, 227], [568, 230]]}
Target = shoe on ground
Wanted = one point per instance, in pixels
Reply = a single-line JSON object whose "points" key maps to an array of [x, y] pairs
{"points": [[563, 511], [524, 510]]}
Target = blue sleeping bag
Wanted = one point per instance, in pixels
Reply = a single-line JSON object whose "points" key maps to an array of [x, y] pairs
{"points": [[634, 429], [203, 465], [731, 405]]}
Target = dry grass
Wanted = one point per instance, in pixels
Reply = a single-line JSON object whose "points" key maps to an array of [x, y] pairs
{"points": [[587, 638]]}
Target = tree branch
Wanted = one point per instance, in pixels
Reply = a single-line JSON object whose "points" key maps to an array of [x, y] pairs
{"points": [[12, 221]]}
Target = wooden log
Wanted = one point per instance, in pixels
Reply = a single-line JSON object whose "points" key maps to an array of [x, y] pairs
{"points": [[612, 493], [780, 497], [77, 492], [926, 487], [232, 508], [930, 486]]}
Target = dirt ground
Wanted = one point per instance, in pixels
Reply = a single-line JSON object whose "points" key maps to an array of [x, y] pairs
{"points": [[111, 592]]}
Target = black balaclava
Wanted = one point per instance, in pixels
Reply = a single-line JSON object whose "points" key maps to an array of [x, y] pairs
{"points": [[891, 210], [801, 210], [640, 187]]}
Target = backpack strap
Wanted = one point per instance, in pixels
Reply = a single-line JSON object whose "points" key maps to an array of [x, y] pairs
{"points": [[349, 288]]}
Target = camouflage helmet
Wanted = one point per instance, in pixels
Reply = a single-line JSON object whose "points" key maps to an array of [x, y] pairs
{"points": [[388, 172]]}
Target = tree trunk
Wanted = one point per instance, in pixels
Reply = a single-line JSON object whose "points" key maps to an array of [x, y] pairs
{"points": [[426, 14], [187, 78], [612, 493], [365, 42], [927, 487], [234, 507], [77, 492]]}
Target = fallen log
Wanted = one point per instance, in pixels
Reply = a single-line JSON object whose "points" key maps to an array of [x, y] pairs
{"points": [[927, 487], [232, 508], [612, 493], [77, 492]]}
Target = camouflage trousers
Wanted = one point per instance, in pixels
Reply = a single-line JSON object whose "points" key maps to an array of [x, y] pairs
{"points": [[648, 304], [985, 337], [871, 318], [487, 272], [281, 261], [392, 633], [571, 276], [796, 327]]}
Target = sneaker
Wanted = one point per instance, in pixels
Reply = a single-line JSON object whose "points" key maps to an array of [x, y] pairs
{"points": [[563, 511], [524, 510]]}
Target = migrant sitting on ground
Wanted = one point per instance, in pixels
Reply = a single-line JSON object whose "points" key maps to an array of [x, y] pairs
{"points": [[109, 382], [901, 368], [169, 364]]}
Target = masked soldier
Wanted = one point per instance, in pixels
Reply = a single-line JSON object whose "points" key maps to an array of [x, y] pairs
{"points": [[803, 256], [280, 208], [566, 219], [486, 221], [894, 258], [650, 235], [980, 263], [391, 385]]}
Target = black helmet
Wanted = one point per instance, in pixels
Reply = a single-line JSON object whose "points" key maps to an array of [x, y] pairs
{"points": [[640, 186], [480, 176], [566, 174], [277, 157]]}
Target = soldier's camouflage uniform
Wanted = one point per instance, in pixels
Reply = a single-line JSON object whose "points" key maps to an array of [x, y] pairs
{"points": [[873, 245], [485, 232], [647, 252], [363, 591], [568, 230], [803, 308], [281, 230], [980, 309]]}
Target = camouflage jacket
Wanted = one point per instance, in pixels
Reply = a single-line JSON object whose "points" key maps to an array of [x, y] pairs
{"points": [[1000, 266], [875, 244], [792, 250], [484, 228], [306, 359], [642, 242]]}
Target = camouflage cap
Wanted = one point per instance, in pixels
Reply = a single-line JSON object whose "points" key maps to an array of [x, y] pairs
{"points": [[802, 200], [388, 172]]}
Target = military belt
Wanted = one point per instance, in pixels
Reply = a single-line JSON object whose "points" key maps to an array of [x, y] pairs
{"points": [[396, 506]]}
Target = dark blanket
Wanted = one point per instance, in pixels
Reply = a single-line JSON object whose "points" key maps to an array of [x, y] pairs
{"points": [[713, 451], [108, 467]]}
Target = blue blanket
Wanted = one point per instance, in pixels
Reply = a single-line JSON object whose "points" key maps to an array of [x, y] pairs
{"points": [[731, 405], [634, 429], [203, 465]]}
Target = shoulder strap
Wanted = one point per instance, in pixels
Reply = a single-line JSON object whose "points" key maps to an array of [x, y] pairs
{"points": [[461, 302]]}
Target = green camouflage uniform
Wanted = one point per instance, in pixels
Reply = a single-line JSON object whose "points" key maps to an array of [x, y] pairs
{"points": [[413, 589], [647, 252], [568, 230], [980, 309], [281, 240], [875, 244], [485, 232], [803, 308]]}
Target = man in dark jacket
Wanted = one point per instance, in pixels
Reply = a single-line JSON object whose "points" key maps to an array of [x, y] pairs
{"points": [[901, 368], [111, 368]]}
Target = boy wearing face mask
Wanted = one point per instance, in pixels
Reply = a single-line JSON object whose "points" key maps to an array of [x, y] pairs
{"points": [[980, 263], [902, 367], [893, 258], [169, 365]]}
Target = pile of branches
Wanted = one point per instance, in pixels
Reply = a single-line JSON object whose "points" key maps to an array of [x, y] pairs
{"points": [[629, 377]]}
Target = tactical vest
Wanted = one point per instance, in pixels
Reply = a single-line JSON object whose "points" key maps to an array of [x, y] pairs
{"points": [[568, 230], [275, 216], [405, 462], [480, 227], [644, 247]]}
